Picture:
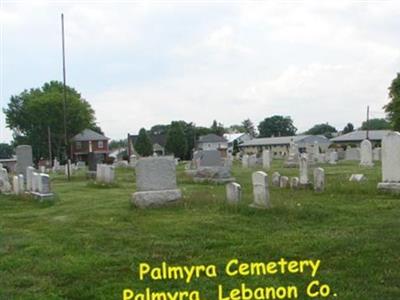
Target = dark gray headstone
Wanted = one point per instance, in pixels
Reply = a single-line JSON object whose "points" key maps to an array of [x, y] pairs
{"points": [[24, 158], [210, 158]]}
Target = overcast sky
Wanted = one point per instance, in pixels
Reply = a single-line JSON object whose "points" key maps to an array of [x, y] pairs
{"points": [[146, 63]]}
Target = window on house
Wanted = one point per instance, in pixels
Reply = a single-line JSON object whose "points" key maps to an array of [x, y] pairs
{"points": [[78, 145], [100, 144]]}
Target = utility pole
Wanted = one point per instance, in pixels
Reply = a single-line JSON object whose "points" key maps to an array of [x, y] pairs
{"points": [[368, 122], [65, 98]]}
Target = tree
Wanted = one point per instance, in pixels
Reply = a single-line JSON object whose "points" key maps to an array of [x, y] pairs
{"points": [[348, 128], [248, 127], [235, 129], [117, 144], [217, 128], [235, 147], [276, 126], [32, 112], [393, 107], [322, 129], [159, 129], [143, 145], [176, 140], [376, 124], [6, 150]]}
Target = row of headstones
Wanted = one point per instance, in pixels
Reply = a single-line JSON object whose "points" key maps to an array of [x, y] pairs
{"points": [[36, 183], [261, 196]]}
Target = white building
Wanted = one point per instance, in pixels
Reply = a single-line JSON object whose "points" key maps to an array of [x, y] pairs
{"points": [[239, 137]]}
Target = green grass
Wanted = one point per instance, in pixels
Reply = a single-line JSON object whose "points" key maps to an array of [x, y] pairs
{"points": [[89, 242]]}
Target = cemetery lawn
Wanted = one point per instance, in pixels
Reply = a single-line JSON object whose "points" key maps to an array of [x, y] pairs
{"points": [[89, 242]]}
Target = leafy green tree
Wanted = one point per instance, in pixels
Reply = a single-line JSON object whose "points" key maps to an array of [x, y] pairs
{"points": [[249, 127], [276, 126], [6, 150], [393, 107], [217, 128], [143, 145], [348, 128], [176, 141], [32, 112], [376, 124], [159, 129], [322, 129], [236, 128]]}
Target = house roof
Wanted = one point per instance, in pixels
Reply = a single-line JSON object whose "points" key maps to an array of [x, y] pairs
{"points": [[285, 140], [230, 137], [211, 138], [359, 135], [89, 135]]}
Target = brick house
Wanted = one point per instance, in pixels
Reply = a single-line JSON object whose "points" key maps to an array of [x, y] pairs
{"points": [[89, 141]]}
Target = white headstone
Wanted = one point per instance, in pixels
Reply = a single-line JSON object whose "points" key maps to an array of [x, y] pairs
{"points": [[333, 157], [366, 154], [319, 179], [233, 193], [275, 179], [303, 167], [357, 177], [260, 190], [294, 182], [284, 181], [390, 162], [29, 178], [266, 159], [5, 186], [245, 161]]}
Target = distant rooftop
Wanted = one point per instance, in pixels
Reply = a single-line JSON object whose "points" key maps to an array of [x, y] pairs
{"points": [[230, 137], [285, 140], [89, 135], [359, 135], [211, 138]]}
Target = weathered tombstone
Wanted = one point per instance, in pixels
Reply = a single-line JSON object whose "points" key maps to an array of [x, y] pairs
{"points": [[245, 161], [294, 183], [35, 182], [377, 154], [24, 158], [15, 185], [316, 151], [352, 153], [253, 161], [210, 158], [366, 154], [275, 178], [390, 163], [333, 157], [5, 186], [260, 190], [303, 168], [105, 173], [293, 156], [357, 177], [266, 159], [21, 182], [155, 182], [284, 181], [319, 179], [233, 193], [29, 178]]}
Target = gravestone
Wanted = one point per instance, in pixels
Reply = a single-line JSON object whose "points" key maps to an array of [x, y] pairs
{"points": [[260, 190], [377, 154], [357, 177], [352, 153], [233, 193], [42, 186], [253, 161], [35, 182], [319, 180], [155, 182], [24, 158], [210, 158], [303, 170], [105, 174], [15, 185], [333, 157], [266, 159], [366, 154], [245, 161], [294, 183], [315, 152], [132, 160], [29, 178], [5, 186], [390, 163], [276, 179], [293, 156], [284, 181]]}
